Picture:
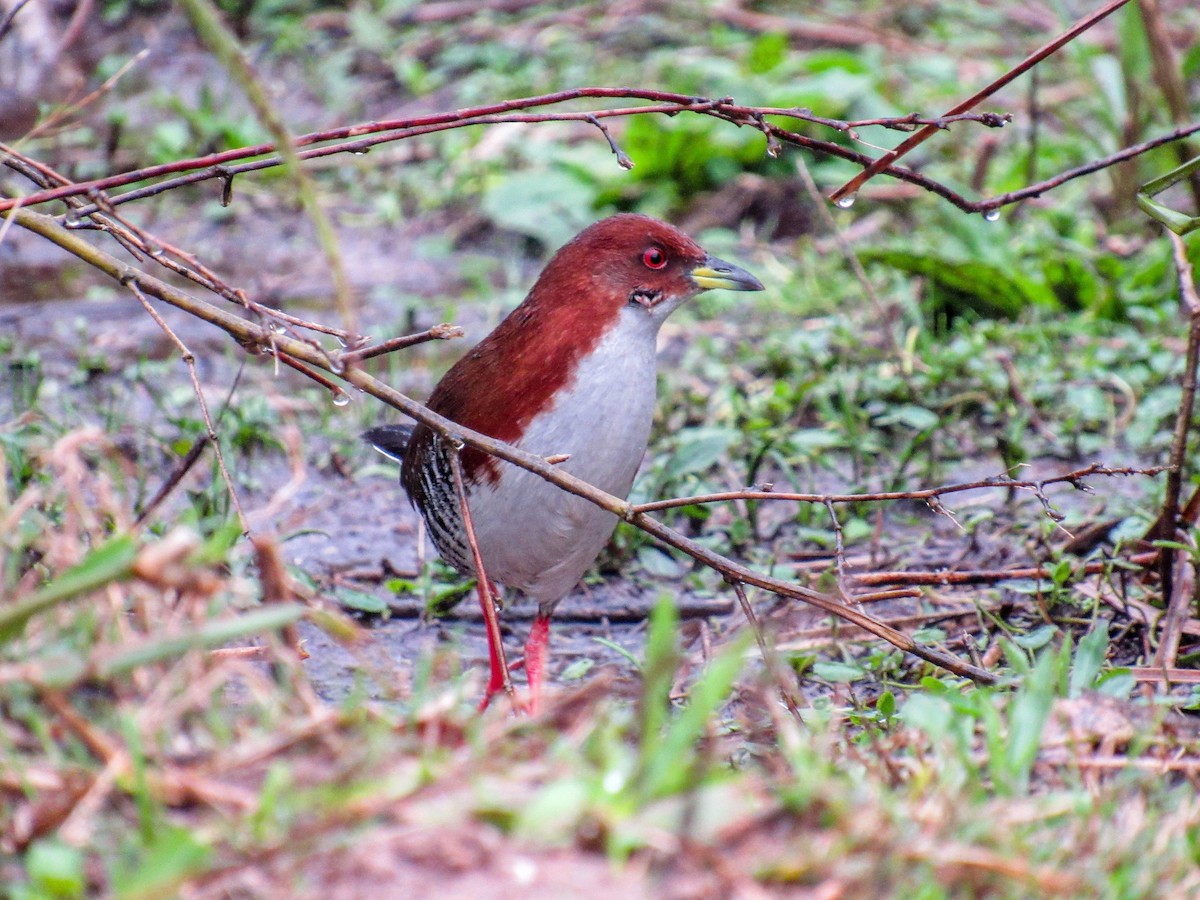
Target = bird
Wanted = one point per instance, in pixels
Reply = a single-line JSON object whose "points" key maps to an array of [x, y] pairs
{"points": [[571, 375]]}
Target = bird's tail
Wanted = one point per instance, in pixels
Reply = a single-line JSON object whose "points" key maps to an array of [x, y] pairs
{"points": [[390, 440]]}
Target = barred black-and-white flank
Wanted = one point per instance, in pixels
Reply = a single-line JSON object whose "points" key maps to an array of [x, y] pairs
{"points": [[429, 481]]}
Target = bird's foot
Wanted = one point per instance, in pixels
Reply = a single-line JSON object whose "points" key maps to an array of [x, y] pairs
{"points": [[536, 648], [496, 685], [534, 662]]}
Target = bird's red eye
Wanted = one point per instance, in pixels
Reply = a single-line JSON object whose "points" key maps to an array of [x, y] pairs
{"points": [[654, 258]]}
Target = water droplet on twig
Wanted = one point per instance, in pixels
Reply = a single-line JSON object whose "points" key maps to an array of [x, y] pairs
{"points": [[991, 215], [340, 398], [846, 202]]}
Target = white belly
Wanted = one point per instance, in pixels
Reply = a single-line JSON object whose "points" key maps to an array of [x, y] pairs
{"points": [[538, 538]]}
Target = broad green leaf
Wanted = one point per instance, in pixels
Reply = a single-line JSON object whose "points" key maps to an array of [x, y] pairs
{"points": [[1089, 658], [930, 714], [659, 563], [1036, 639], [171, 855], [362, 601], [1027, 717], [838, 671], [698, 449], [551, 206], [918, 418], [55, 868], [958, 286], [669, 767]]}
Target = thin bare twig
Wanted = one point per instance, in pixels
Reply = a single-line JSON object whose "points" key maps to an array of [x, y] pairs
{"points": [[443, 332], [1074, 478], [109, 83], [339, 395], [1036, 190], [623, 159], [6, 22], [1178, 600], [769, 656], [487, 603], [839, 544], [987, 576], [852, 186], [189, 360]]}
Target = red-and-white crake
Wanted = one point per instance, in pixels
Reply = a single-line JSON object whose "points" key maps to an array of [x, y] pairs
{"points": [[570, 372]]}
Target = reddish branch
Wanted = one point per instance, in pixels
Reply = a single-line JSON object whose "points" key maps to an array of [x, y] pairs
{"points": [[671, 103], [988, 576], [1036, 190], [1075, 479], [443, 332], [364, 136], [881, 165], [224, 165]]}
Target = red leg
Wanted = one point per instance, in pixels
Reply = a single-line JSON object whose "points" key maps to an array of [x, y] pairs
{"points": [[535, 659]]}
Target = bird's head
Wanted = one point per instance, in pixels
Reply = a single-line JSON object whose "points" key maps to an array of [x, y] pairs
{"points": [[635, 261], [627, 273]]}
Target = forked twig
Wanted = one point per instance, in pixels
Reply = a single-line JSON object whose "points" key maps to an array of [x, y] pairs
{"points": [[189, 360], [851, 187], [189, 460], [1035, 486], [443, 332], [185, 465], [769, 656]]}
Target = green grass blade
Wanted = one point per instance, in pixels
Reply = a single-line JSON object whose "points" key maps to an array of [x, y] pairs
{"points": [[669, 766], [111, 561], [213, 634]]}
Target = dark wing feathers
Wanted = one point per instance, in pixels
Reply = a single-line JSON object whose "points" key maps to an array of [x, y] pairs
{"points": [[390, 440]]}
